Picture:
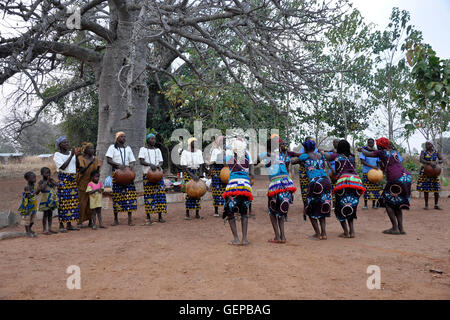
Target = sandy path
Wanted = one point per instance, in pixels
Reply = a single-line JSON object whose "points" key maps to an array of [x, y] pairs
{"points": [[192, 260]]}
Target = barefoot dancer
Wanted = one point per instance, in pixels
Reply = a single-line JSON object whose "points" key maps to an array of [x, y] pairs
{"points": [[49, 199], [238, 193], [348, 187], [281, 188], [368, 163], [151, 158], [217, 163], [397, 192], [304, 181], [28, 205], [318, 198], [192, 163], [124, 198], [425, 183], [66, 162]]}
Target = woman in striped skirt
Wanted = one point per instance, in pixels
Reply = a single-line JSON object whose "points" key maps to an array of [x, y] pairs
{"points": [[124, 197], [238, 192], [281, 188], [66, 162], [216, 164], [154, 193], [348, 189]]}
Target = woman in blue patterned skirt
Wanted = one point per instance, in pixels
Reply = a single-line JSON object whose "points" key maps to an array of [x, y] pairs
{"points": [[124, 197], [191, 161], [66, 162], [216, 165], [425, 183], [318, 198], [151, 158]]}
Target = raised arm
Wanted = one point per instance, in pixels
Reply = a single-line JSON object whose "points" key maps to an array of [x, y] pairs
{"points": [[367, 153]]}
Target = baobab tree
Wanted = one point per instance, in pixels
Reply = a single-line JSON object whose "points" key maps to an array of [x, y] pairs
{"points": [[117, 45]]}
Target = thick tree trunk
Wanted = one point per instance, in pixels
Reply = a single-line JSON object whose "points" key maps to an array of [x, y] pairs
{"points": [[114, 114]]}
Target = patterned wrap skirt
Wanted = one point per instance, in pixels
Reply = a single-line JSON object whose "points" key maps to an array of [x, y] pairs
{"points": [[154, 196], [27, 209], [426, 183], [124, 197], [397, 193], [318, 199], [304, 182], [68, 197], [238, 197], [372, 189], [348, 190], [49, 200], [190, 203], [217, 186], [280, 195]]}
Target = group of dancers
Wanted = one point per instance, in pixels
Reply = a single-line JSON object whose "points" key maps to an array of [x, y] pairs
{"points": [[78, 194]]}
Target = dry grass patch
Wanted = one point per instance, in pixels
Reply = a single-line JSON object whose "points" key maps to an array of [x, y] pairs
{"points": [[31, 163]]}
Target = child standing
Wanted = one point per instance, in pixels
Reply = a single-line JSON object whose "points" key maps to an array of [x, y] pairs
{"points": [[49, 199], [28, 206], [95, 190]]}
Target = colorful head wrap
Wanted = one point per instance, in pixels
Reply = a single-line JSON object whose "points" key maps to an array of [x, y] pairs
{"points": [[85, 145], [150, 135], [274, 135], [59, 140], [118, 134], [383, 143], [309, 145]]}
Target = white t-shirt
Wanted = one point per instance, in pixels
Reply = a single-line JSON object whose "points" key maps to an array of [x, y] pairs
{"points": [[60, 159], [217, 156], [120, 155], [152, 156], [192, 160]]}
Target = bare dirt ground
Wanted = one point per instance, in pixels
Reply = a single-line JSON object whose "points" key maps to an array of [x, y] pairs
{"points": [[192, 260]]}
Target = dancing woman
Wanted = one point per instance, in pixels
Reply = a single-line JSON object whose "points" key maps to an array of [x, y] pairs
{"points": [[348, 189], [397, 192], [318, 197], [238, 192], [281, 187]]}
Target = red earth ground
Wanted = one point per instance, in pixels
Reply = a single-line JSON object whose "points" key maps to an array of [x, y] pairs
{"points": [[192, 259]]}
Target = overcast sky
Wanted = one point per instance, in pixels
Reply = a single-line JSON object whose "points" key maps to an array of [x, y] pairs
{"points": [[432, 17]]}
